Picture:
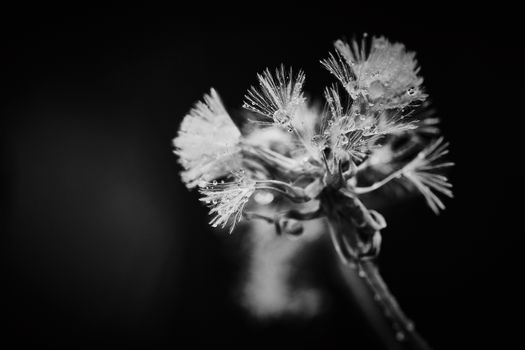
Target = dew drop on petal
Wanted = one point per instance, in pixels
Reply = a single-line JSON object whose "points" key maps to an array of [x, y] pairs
{"points": [[316, 140], [280, 117]]}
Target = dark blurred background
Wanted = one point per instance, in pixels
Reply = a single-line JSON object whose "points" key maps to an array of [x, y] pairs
{"points": [[102, 244]]}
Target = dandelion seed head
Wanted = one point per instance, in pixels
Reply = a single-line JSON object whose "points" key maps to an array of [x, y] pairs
{"points": [[207, 142], [385, 74], [423, 173], [278, 96], [228, 199]]}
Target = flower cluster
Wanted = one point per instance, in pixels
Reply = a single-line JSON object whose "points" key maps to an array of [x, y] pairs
{"points": [[377, 123]]}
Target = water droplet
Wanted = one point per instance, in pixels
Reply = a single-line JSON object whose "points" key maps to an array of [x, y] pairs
{"points": [[380, 44], [344, 140], [411, 91], [361, 274], [214, 183], [280, 117], [400, 336], [263, 198]]}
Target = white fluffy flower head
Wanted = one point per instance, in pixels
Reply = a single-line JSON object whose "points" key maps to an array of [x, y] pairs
{"points": [[208, 142], [227, 199], [386, 75]]}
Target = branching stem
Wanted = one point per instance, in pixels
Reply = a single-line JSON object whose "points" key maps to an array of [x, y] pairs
{"points": [[375, 186], [341, 230]]}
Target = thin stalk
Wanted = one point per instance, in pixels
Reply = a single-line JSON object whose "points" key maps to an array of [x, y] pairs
{"points": [[294, 193], [344, 236], [375, 186], [403, 326]]}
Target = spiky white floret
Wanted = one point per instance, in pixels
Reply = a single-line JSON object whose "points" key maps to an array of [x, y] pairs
{"points": [[227, 199], [421, 173], [278, 97], [207, 142], [349, 132], [386, 76], [342, 128]]}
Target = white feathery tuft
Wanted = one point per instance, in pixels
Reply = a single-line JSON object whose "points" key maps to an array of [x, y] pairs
{"points": [[386, 76], [278, 97], [227, 199], [207, 142], [421, 172]]}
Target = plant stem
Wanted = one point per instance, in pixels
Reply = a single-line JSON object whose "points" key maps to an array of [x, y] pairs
{"points": [[404, 328], [346, 240]]}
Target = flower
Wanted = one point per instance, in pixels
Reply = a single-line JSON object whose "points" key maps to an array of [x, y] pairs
{"points": [[386, 76], [227, 199], [354, 133], [421, 172], [278, 97], [208, 142]]}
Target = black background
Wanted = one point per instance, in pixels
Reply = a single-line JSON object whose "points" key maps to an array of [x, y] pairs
{"points": [[102, 244]]}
